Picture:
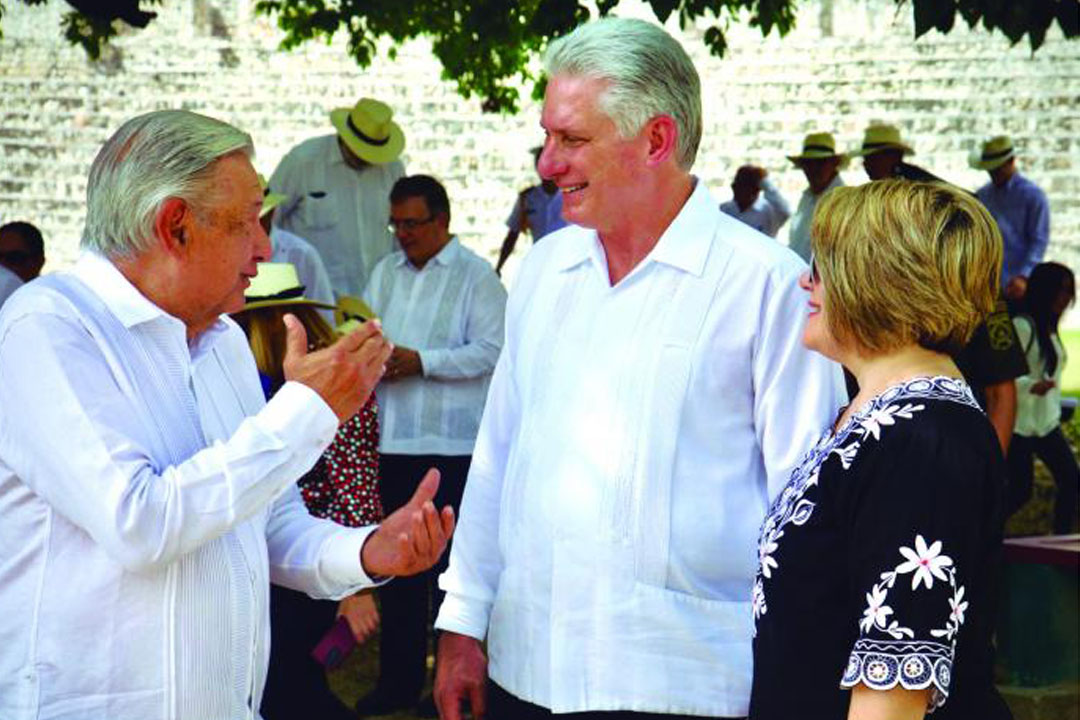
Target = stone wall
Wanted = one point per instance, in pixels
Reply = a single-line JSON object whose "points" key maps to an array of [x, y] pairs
{"points": [[848, 63]]}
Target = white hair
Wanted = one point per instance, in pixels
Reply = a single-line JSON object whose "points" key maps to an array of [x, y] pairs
{"points": [[649, 73], [151, 158]]}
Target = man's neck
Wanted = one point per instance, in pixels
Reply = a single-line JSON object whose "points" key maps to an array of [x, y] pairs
{"points": [[154, 282], [628, 244]]}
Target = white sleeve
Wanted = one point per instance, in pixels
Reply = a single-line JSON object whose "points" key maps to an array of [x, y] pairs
{"points": [[796, 391], [312, 555], [779, 209], [472, 578], [84, 450]]}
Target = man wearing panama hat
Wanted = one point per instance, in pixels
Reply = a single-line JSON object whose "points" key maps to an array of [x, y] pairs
{"points": [[883, 152], [821, 165], [1018, 205], [337, 187]]}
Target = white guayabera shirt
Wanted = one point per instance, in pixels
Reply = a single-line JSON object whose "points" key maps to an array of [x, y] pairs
{"points": [[632, 440], [341, 211], [147, 499], [451, 312]]}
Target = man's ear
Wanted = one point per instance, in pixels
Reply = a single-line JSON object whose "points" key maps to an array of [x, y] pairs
{"points": [[662, 134], [170, 224]]}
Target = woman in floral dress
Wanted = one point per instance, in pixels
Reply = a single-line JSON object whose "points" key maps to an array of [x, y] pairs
{"points": [[878, 562]]}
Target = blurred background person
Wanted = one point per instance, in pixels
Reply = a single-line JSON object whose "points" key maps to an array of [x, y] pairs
{"points": [[343, 487], [878, 563], [22, 249], [337, 187], [821, 165], [766, 212], [538, 209], [1018, 205], [883, 152], [1051, 288], [290, 248]]}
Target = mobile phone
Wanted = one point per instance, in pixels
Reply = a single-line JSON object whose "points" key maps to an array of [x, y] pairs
{"points": [[335, 645]]}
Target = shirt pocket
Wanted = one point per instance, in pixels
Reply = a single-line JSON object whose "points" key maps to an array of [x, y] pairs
{"points": [[318, 210]]}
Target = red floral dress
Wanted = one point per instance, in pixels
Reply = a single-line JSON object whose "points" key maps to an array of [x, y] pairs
{"points": [[344, 484]]}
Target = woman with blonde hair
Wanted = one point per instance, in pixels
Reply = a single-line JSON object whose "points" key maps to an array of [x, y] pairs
{"points": [[876, 586], [343, 486]]}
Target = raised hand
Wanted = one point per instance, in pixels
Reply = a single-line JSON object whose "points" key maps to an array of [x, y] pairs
{"points": [[413, 537], [343, 374]]}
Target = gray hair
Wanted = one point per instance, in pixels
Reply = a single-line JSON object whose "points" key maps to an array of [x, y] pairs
{"points": [[151, 158], [649, 72]]}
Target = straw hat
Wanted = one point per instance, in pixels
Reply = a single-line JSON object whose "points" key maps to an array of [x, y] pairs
{"points": [[369, 130], [350, 312], [882, 137], [817, 146], [270, 199], [995, 152], [275, 285]]}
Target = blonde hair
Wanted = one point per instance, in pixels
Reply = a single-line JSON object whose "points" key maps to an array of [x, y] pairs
{"points": [[905, 262], [265, 330]]}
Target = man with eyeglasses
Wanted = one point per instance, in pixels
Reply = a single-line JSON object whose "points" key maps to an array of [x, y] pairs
{"points": [[442, 307]]}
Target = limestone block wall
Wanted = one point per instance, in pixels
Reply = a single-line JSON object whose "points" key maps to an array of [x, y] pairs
{"points": [[848, 63]]}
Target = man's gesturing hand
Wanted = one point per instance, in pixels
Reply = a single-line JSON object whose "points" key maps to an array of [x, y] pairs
{"points": [[343, 374], [460, 675], [413, 537]]}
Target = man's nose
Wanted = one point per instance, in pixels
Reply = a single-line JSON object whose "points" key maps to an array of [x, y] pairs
{"points": [[550, 165], [263, 247]]}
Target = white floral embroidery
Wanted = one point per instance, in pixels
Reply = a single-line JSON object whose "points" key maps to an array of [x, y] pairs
{"points": [[882, 664], [791, 508], [926, 562], [877, 612]]}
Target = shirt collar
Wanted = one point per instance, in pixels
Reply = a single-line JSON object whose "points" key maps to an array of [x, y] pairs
{"points": [[683, 245], [129, 305], [444, 257], [125, 301]]}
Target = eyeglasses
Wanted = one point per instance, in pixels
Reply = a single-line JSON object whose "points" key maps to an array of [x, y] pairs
{"points": [[408, 223], [815, 276]]}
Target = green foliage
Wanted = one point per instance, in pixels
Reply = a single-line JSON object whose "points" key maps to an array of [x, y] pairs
{"points": [[488, 47], [1032, 18]]}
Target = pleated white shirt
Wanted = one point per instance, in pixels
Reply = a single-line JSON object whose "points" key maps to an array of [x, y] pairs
{"points": [[632, 440], [147, 499], [451, 312]]}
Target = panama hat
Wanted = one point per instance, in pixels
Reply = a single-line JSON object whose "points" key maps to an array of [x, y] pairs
{"points": [[275, 285], [995, 152], [270, 199], [882, 137], [817, 146], [369, 130], [350, 312]]}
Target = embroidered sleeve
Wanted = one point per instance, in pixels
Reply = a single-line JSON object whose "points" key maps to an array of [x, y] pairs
{"points": [[915, 530]]}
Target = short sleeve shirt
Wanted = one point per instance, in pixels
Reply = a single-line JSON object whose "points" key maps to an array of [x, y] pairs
{"points": [[877, 562]]}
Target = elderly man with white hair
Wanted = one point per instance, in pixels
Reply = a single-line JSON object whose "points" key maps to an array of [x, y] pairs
{"points": [[640, 418], [147, 491]]}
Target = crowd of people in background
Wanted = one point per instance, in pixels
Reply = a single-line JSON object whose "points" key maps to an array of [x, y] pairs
{"points": [[310, 381]]}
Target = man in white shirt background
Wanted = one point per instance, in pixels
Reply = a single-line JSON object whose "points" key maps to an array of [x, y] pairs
{"points": [[651, 398], [765, 213], [337, 187], [147, 490], [442, 306], [287, 247], [821, 165]]}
